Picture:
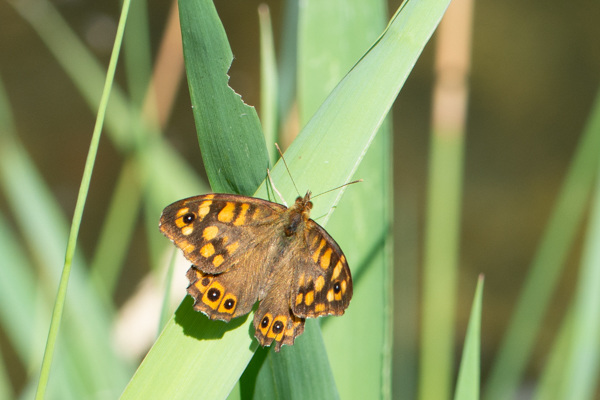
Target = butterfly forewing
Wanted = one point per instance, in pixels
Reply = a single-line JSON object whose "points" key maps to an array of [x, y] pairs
{"points": [[217, 231], [322, 283]]}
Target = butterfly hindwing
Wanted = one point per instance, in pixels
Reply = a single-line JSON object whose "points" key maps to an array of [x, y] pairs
{"points": [[221, 296], [274, 321]]}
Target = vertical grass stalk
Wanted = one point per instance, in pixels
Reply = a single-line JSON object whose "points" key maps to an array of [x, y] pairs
{"points": [[443, 203], [81, 198]]}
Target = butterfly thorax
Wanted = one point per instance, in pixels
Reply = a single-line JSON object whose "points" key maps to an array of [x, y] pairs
{"points": [[298, 214]]}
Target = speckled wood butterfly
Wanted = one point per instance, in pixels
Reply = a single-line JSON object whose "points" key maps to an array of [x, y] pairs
{"points": [[244, 249]]}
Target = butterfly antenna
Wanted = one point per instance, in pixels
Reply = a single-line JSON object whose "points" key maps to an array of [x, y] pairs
{"points": [[288, 170], [275, 189], [339, 187]]}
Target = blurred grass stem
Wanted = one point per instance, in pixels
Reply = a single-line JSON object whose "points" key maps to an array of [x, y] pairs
{"points": [[445, 183]]}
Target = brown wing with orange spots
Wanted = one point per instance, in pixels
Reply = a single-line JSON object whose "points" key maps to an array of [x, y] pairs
{"points": [[274, 321], [222, 296], [323, 285], [219, 231]]}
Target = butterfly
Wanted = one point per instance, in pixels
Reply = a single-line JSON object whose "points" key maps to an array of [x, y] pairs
{"points": [[245, 249]]}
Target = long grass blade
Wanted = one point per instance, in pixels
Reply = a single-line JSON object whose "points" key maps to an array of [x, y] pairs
{"points": [[579, 372], [366, 371], [442, 230], [268, 82], [467, 386], [78, 213]]}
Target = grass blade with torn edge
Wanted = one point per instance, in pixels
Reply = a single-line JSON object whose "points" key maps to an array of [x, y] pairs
{"points": [[231, 140], [467, 386], [341, 131], [232, 164]]}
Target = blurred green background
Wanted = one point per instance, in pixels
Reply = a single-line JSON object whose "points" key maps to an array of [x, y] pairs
{"points": [[534, 75]]}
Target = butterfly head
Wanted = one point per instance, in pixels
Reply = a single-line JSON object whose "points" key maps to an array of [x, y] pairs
{"points": [[303, 204]]}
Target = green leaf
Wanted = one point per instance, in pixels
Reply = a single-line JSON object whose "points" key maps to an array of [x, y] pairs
{"points": [[229, 132], [577, 346], [296, 372], [268, 82], [333, 36], [467, 387]]}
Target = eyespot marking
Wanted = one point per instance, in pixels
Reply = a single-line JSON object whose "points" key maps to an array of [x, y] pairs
{"points": [[212, 297], [277, 328], [188, 218], [337, 288], [265, 323], [228, 304], [202, 284]]}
